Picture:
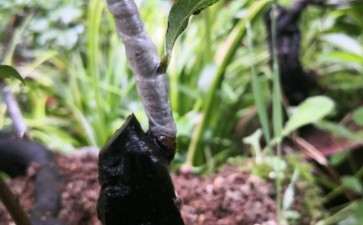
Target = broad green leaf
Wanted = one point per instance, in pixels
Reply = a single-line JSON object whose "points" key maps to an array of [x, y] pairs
{"points": [[344, 42], [7, 71], [358, 116], [310, 111], [179, 17]]}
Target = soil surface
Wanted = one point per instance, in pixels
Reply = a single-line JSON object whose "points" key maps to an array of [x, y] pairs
{"points": [[230, 197]]}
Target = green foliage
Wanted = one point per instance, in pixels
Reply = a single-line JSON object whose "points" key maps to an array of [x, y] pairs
{"points": [[7, 71], [55, 23], [179, 17], [80, 88], [310, 111], [358, 116], [229, 51]]}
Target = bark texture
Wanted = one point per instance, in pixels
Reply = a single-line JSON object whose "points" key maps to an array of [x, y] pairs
{"points": [[144, 60], [136, 188], [296, 83]]}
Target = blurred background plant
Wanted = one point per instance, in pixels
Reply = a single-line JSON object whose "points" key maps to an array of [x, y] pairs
{"points": [[80, 89]]}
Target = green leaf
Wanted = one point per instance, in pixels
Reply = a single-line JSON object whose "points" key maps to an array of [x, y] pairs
{"points": [[345, 42], [10, 72], [358, 116], [179, 17], [310, 111], [352, 183], [342, 57], [339, 130]]}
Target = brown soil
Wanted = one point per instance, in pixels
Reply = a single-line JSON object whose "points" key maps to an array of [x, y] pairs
{"points": [[230, 197]]}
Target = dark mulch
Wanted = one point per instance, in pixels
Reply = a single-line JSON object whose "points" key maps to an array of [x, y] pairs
{"points": [[230, 197]]}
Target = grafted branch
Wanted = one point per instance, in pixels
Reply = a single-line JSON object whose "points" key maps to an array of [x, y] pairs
{"points": [[136, 188], [150, 76]]}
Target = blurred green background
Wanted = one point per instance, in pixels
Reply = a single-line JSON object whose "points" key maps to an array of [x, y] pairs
{"points": [[79, 87]]}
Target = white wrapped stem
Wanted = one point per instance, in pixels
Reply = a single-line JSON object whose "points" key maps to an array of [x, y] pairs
{"points": [[143, 57], [13, 110]]}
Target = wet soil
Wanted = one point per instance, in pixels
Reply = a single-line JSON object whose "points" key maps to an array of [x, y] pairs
{"points": [[230, 197]]}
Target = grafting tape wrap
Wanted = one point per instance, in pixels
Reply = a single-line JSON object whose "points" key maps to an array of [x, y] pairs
{"points": [[151, 80]]}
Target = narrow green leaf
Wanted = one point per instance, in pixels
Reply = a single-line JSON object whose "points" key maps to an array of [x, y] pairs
{"points": [[258, 94], [310, 111], [261, 105], [339, 130], [277, 109], [7, 71], [342, 57], [179, 17]]}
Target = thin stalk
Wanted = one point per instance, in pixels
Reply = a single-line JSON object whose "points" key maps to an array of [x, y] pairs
{"points": [[95, 11], [256, 89], [233, 44], [12, 205], [277, 114], [276, 95], [13, 109]]}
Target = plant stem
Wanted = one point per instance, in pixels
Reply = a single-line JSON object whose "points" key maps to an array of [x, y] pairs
{"points": [[276, 95], [233, 44], [12, 205], [260, 102], [13, 110], [149, 73]]}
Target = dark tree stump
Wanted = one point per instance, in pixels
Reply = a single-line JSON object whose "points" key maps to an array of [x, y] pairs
{"points": [[136, 188]]}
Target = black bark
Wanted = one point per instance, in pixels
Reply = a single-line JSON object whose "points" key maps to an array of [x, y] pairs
{"points": [[297, 84], [136, 188], [16, 155]]}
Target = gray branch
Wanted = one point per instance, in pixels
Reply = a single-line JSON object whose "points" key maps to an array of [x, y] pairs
{"points": [[13, 110], [142, 55]]}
